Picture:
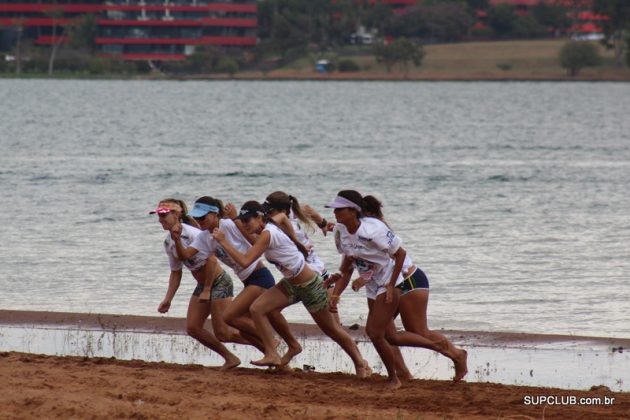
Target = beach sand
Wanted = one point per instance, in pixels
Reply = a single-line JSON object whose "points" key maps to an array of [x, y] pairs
{"points": [[39, 386], [36, 386]]}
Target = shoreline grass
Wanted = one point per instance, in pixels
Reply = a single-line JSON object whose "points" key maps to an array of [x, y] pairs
{"points": [[516, 60]]}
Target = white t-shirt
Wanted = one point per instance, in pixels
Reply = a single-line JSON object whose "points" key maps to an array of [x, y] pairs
{"points": [[283, 253], [314, 262], [188, 235], [372, 248], [206, 244]]}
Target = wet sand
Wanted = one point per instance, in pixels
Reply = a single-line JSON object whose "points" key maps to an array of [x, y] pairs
{"points": [[37, 386]]}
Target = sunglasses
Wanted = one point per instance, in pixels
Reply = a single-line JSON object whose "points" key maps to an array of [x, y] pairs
{"points": [[200, 218], [161, 215]]}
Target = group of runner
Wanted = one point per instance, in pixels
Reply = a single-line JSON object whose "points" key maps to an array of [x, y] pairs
{"points": [[277, 230]]}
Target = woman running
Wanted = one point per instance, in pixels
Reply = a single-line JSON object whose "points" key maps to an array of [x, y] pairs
{"points": [[300, 283], [413, 306], [368, 245], [209, 212], [286, 212], [173, 218]]}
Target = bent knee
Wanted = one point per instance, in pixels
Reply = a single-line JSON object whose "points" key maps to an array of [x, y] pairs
{"points": [[223, 335], [375, 333], [229, 317], [257, 310], [391, 338], [193, 330]]}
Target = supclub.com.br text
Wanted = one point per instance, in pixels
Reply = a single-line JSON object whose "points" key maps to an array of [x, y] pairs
{"points": [[566, 400]]}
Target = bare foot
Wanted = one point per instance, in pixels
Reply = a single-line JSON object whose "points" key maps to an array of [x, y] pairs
{"points": [[230, 363], [405, 375], [290, 354], [364, 370], [276, 343], [280, 368], [461, 366], [267, 361], [393, 384], [204, 297]]}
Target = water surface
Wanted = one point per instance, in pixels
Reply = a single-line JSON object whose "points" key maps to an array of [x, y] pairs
{"points": [[513, 197]]}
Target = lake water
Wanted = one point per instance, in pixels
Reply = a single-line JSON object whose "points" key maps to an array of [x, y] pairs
{"points": [[513, 197]]}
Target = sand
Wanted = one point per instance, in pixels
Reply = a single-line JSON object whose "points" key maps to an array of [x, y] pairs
{"points": [[39, 386], [36, 386]]}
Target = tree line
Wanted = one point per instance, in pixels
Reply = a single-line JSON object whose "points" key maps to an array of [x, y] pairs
{"points": [[290, 29]]}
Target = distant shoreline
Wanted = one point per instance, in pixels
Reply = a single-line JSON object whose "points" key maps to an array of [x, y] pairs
{"points": [[476, 61], [336, 77], [333, 78]]}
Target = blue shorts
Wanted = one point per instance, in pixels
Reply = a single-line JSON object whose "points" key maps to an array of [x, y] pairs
{"points": [[261, 278], [418, 280]]}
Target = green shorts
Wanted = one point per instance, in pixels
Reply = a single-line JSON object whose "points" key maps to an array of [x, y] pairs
{"points": [[312, 293], [222, 287]]}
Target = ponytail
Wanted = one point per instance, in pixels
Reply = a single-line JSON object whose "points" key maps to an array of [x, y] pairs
{"points": [[297, 211], [300, 246], [253, 208], [374, 208], [185, 218], [281, 201]]}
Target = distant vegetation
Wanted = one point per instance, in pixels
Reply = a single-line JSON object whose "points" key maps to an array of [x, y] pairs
{"points": [[574, 56], [344, 32]]}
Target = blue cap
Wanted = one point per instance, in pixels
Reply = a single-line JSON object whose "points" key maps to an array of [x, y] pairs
{"points": [[201, 209]]}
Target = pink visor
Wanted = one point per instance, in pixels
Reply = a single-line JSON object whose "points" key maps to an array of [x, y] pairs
{"points": [[161, 210]]}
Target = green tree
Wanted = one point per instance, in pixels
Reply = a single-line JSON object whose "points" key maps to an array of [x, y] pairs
{"points": [[378, 17], [347, 65], [528, 27], [82, 32], [18, 25], [227, 65], [478, 4], [502, 19], [574, 56], [441, 21], [401, 51], [617, 24], [203, 60], [552, 15]]}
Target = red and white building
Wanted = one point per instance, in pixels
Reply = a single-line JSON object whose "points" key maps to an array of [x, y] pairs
{"points": [[140, 30]]}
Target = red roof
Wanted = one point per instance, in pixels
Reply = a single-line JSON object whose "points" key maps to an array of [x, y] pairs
{"points": [[586, 28], [515, 2]]}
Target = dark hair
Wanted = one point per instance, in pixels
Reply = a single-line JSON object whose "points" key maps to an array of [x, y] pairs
{"points": [[281, 201], [373, 208], [183, 215], [213, 202], [355, 197], [255, 206]]}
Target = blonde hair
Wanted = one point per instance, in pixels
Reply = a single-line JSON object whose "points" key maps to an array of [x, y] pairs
{"points": [[180, 207]]}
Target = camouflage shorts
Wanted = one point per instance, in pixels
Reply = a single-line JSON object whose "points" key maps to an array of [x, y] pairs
{"points": [[312, 293], [222, 287]]}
